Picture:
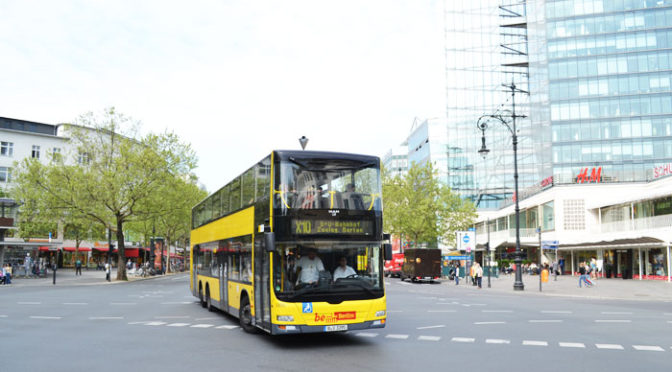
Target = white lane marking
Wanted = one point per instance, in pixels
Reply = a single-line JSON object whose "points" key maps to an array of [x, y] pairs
{"points": [[556, 311], [45, 317], [154, 323], [545, 321], [178, 325], [75, 303], [429, 338], [227, 327], [476, 304], [486, 323], [572, 344], [366, 334], [428, 298], [462, 339], [497, 311], [3, 316], [647, 348], [398, 337], [29, 303], [123, 303], [172, 317], [211, 318], [667, 314], [613, 321], [177, 303], [202, 325], [534, 343], [430, 327], [143, 322], [404, 283], [609, 346], [617, 312], [105, 317], [669, 321], [497, 341], [441, 311]]}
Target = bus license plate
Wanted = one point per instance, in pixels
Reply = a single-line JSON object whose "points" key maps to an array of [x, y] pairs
{"points": [[336, 328]]}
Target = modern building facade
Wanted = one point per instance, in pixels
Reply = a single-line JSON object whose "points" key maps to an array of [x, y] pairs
{"points": [[598, 76], [395, 161]]}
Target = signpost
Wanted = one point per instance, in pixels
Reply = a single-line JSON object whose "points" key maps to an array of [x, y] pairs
{"points": [[466, 241]]}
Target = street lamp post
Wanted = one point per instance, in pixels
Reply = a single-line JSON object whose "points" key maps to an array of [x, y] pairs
{"points": [[482, 125], [487, 251]]}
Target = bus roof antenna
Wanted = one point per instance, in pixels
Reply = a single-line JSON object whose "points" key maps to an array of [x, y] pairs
{"points": [[303, 141]]}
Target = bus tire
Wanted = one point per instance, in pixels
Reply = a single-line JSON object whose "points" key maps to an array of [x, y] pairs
{"points": [[208, 300], [245, 315], [200, 295]]}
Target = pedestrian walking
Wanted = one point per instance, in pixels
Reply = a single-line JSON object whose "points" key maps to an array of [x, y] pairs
{"points": [[583, 275], [107, 271], [457, 272], [78, 267], [478, 274]]}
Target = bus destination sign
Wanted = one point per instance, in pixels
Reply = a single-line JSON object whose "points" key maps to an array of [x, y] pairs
{"points": [[314, 227]]}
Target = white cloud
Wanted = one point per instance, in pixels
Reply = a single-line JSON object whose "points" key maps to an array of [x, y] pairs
{"points": [[234, 79]]}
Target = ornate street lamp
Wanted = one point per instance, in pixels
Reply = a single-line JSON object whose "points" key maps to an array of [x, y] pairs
{"points": [[482, 125]]}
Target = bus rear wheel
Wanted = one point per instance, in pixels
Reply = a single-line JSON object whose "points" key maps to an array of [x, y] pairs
{"points": [[200, 296], [208, 300], [245, 315]]}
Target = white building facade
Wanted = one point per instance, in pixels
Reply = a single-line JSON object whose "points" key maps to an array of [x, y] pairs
{"points": [[626, 227]]}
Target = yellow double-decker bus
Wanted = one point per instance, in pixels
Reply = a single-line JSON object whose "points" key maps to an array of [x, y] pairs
{"points": [[294, 245]]}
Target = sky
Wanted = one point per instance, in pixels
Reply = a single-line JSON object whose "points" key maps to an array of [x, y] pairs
{"points": [[235, 79]]}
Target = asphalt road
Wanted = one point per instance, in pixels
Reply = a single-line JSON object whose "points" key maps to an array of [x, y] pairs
{"points": [[157, 324]]}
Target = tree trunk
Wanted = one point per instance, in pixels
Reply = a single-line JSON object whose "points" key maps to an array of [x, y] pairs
{"points": [[121, 261]]}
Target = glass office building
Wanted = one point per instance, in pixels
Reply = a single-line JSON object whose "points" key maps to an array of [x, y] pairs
{"points": [[598, 75], [609, 72]]}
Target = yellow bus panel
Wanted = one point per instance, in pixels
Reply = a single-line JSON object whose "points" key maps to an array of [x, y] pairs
{"points": [[238, 224]]}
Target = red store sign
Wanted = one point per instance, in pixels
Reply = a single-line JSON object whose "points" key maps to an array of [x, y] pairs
{"points": [[662, 171], [594, 177]]}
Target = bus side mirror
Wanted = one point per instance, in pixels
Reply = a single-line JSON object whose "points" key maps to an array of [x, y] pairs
{"points": [[388, 251], [269, 241]]}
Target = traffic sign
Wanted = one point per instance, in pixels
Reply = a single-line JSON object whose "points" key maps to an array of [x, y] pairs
{"points": [[549, 244], [466, 241]]}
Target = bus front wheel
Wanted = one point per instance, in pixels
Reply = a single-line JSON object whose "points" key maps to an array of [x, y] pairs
{"points": [[200, 296], [245, 315]]}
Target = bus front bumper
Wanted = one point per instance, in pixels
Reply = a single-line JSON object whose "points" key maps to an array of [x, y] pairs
{"points": [[281, 329]]}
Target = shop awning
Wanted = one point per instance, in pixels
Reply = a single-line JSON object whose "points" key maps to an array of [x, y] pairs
{"points": [[73, 249], [103, 249], [132, 252]]}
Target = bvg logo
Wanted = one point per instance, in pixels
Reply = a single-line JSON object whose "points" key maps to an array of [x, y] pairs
{"points": [[335, 317]]}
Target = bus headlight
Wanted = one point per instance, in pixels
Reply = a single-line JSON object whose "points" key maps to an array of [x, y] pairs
{"points": [[380, 313], [285, 318]]}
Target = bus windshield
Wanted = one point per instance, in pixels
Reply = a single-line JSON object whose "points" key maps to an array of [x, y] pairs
{"points": [[331, 272], [327, 184]]}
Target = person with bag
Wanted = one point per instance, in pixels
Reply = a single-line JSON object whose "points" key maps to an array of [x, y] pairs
{"points": [[478, 275]]}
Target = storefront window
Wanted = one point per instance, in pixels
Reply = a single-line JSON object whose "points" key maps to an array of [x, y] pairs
{"points": [[548, 220]]}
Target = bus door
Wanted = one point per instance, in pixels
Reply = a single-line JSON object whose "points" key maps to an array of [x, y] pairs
{"points": [[194, 271], [223, 282], [262, 314]]}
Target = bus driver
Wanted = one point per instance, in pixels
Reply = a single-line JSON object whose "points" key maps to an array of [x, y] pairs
{"points": [[309, 267], [343, 270]]}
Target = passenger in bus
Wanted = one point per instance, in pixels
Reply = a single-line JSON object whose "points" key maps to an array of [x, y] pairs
{"points": [[352, 199], [343, 270], [309, 267]]}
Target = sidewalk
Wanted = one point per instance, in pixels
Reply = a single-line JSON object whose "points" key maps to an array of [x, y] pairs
{"points": [[67, 277], [568, 286]]}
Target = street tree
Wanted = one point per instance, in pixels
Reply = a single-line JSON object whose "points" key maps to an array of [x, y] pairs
{"points": [[423, 209], [109, 175]]}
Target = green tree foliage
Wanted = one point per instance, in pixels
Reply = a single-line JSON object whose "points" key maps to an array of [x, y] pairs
{"points": [[418, 206], [108, 178]]}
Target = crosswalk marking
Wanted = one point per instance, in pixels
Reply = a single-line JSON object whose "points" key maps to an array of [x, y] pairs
{"points": [[398, 337], [572, 344], [535, 343], [177, 325], [486, 323], [227, 327], [463, 339], [497, 341], [366, 334], [202, 325], [154, 323], [647, 348], [429, 338], [45, 317], [609, 346], [431, 327]]}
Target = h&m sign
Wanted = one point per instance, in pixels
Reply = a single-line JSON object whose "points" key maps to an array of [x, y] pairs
{"points": [[595, 175]]}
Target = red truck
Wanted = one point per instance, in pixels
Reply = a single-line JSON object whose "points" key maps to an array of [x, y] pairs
{"points": [[393, 266]]}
